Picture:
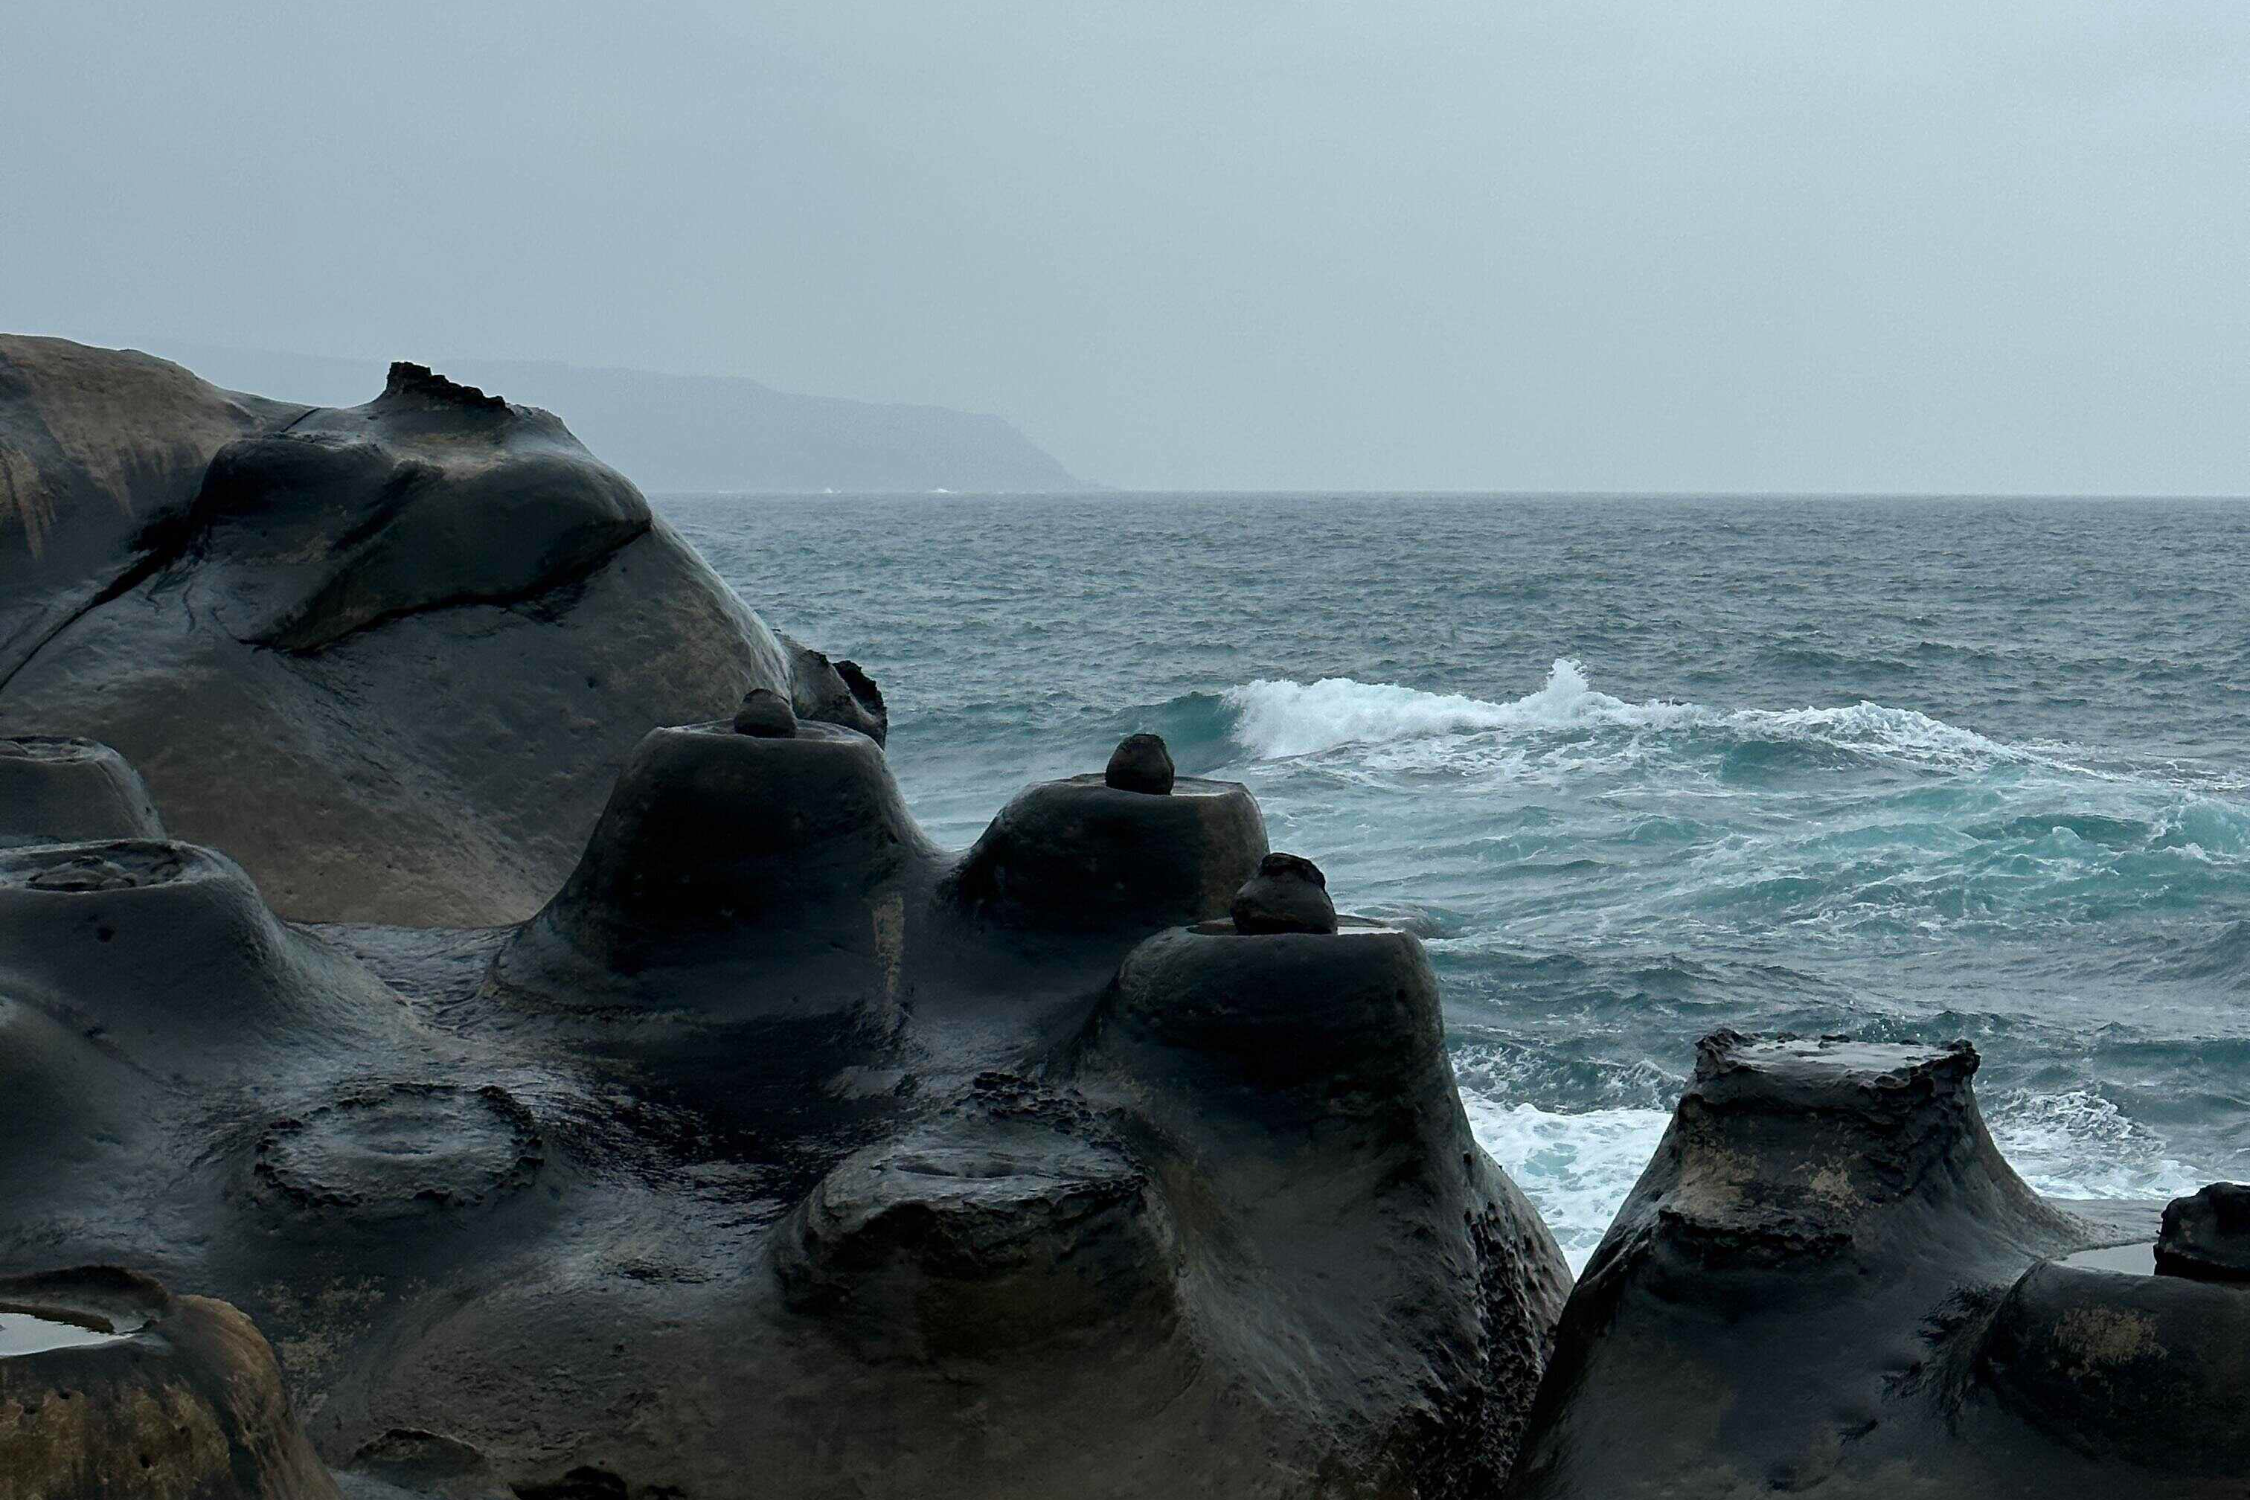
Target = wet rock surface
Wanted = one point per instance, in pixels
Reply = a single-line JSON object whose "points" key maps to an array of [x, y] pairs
{"points": [[408, 1463], [760, 1101], [1829, 1281], [673, 1119], [179, 1396], [377, 1153], [259, 605], [2207, 1234]]}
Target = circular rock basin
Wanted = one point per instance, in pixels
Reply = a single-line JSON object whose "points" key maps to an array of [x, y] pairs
{"points": [[35, 1330], [386, 1152]]}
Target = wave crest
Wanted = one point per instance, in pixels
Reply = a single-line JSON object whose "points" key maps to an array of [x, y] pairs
{"points": [[1279, 719]]}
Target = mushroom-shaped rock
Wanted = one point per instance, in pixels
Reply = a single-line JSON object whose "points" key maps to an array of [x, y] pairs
{"points": [[1288, 894], [60, 790], [1294, 1095], [1788, 1298], [1141, 763], [167, 954], [738, 925], [2207, 1234], [765, 715], [1080, 855], [718, 845], [982, 1235], [113, 1388]]}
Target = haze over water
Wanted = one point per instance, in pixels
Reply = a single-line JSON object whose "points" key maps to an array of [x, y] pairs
{"points": [[1637, 769]]}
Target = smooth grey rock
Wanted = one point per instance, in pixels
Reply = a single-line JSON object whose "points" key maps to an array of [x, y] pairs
{"points": [[1293, 1095], [1288, 894], [389, 657], [1141, 763], [765, 715]]}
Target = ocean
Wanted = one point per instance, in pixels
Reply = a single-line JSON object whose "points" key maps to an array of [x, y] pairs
{"points": [[1636, 769]]}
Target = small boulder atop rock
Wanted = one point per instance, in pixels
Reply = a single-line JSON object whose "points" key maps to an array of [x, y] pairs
{"points": [[1141, 763], [1288, 894], [2207, 1235], [765, 715]]}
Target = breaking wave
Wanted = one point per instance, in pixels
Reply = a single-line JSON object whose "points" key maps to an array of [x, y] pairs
{"points": [[1275, 720]]}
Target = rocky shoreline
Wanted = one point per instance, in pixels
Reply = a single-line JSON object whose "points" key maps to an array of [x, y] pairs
{"points": [[439, 919]]}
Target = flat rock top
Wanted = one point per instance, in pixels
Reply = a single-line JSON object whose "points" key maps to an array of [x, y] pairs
{"points": [[809, 732], [1345, 927], [1823, 1059], [1185, 786]]}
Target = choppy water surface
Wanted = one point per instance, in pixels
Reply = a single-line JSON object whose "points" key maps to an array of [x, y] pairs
{"points": [[1637, 769]]}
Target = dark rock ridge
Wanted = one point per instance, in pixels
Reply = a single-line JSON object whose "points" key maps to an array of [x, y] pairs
{"points": [[710, 432], [389, 656], [782, 1144], [113, 1388], [1828, 1281]]}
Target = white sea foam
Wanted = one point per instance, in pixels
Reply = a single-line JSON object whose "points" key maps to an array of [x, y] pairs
{"points": [[1575, 1168], [1277, 719], [2080, 1145]]}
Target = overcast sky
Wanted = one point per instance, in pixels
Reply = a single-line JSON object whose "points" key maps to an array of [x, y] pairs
{"points": [[1472, 244]]}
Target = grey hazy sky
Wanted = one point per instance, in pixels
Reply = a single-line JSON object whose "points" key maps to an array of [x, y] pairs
{"points": [[1743, 245]]}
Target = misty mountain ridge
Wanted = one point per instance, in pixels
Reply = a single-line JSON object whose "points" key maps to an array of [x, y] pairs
{"points": [[695, 433]]}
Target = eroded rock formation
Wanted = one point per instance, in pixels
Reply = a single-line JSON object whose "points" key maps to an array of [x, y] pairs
{"points": [[782, 1143], [1828, 1281], [388, 657], [672, 1118]]}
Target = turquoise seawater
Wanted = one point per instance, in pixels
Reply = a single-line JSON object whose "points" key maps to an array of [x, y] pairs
{"points": [[1638, 769]]}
